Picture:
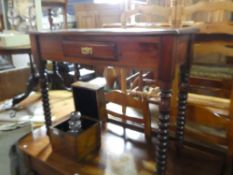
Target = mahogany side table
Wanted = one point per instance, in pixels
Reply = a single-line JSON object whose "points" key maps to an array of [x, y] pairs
{"points": [[158, 49]]}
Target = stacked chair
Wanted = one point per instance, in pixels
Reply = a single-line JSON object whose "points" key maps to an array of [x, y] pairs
{"points": [[209, 119], [211, 116]]}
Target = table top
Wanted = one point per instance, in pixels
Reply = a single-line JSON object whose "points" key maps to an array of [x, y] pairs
{"points": [[131, 47], [123, 31]]}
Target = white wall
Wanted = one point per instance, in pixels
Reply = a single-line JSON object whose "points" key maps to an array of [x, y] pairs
{"points": [[21, 60]]}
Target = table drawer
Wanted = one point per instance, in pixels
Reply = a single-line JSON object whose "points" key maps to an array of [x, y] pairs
{"points": [[83, 49]]}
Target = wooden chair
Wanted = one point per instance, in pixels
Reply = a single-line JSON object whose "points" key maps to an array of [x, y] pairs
{"points": [[212, 112], [215, 34], [129, 110], [210, 128], [212, 20], [148, 16]]}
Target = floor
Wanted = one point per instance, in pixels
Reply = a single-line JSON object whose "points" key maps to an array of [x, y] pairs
{"points": [[191, 161], [7, 139], [122, 154], [16, 123]]}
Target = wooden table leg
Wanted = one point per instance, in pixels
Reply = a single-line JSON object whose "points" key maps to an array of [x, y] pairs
{"points": [[45, 95], [183, 95], [165, 76], [57, 81], [164, 110], [31, 84], [182, 103]]}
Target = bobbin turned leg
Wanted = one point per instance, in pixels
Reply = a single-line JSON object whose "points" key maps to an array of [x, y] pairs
{"points": [[164, 115], [182, 104], [45, 96], [183, 95], [165, 76]]}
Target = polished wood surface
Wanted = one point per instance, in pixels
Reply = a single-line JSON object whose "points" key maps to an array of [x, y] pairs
{"points": [[25, 49], [36, 148], [144, 48]]}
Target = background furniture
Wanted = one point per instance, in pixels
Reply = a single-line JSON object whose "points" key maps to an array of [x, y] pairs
{"points": [[200, 109], [33, 80], [95, 15], [58, 4], [212, 71], [8, 78], [210, 118]]}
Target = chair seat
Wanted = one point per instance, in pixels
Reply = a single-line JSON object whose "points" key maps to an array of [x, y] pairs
{"points": [[215, 72], [129, 111], [215, 104]]}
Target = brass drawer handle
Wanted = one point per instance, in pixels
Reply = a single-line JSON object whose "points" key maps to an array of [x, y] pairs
{"points": [[86, 50]]}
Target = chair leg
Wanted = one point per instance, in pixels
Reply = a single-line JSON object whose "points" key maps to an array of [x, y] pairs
{"points": [[147, 127], [230, 141]]}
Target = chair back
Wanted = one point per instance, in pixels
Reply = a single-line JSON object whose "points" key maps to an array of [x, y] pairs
{"points": [[120, 105], [210, 17], [213, 42], [147, 16]]}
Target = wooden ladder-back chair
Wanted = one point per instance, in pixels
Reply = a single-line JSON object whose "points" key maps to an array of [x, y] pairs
{"points": [[217, 113], [216, 19], [136, 111], [152, 13], [215, 37]]}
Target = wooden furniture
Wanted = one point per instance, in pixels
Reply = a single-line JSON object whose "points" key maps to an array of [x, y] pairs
{"points": [[149, 16], [76, 146], [95, 15], [56, 76], [215, 113], [137, 110], [55, 3], [142, 15], [85, 136], [214, 54], [122, 47], [89, 99], [33, 80], [13, 76]]}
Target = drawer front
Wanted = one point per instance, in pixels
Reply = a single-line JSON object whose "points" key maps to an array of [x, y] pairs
{"points": [[82, 49]]}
